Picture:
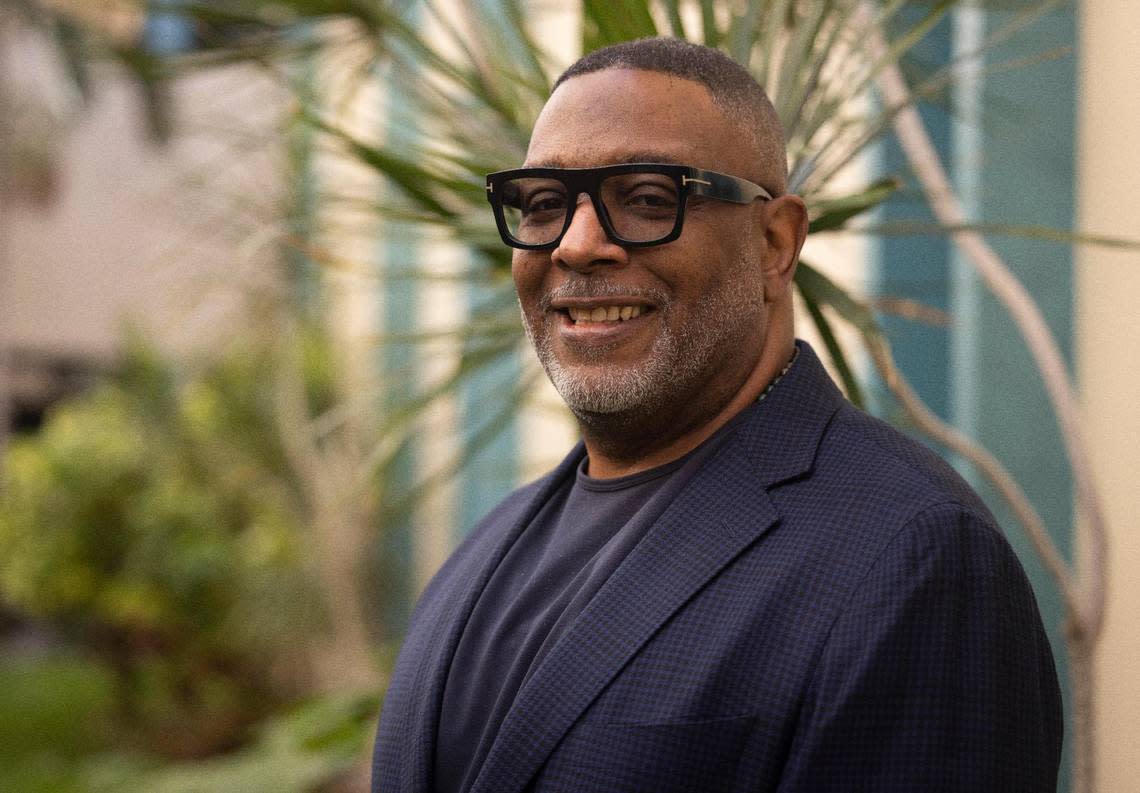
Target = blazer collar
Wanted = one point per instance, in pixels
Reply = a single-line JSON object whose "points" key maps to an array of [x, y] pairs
{"points": [[782, 437], [690, 543]]}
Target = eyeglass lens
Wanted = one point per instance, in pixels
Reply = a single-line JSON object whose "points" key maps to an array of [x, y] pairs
{"points": [[642, 207]]}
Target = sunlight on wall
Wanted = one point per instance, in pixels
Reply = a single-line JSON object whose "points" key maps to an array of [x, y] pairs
{"points": [[1108, 287]]}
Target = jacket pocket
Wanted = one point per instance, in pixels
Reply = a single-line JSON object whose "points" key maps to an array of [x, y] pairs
{"points": [[654, 758]]}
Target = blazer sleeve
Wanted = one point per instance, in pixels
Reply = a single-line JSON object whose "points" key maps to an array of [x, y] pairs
{"points": [[937, 676]]}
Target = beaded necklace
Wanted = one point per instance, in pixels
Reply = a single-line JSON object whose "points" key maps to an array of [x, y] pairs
{"points": [[780, 376]]}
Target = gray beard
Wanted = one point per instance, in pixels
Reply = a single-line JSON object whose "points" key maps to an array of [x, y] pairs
{"points": [[614, 390], [674, 364]]}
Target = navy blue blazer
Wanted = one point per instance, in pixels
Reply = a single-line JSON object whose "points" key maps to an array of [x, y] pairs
{"points": [[827, 606]]}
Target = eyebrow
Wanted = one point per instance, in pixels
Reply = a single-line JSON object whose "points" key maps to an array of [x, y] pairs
{"points": [[646, 155]]}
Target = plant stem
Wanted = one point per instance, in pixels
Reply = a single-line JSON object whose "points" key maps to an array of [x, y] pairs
{"points": [[340, 530]]}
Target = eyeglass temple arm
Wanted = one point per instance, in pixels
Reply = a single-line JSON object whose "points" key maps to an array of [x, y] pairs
{"points": [[724, 187]]}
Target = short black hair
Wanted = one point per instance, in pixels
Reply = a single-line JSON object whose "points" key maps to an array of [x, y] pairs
{"points": [[733, 90]]}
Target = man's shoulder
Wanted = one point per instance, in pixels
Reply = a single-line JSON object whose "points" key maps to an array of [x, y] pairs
{"points": [[871, 486], [879, 511], [872, 454]]}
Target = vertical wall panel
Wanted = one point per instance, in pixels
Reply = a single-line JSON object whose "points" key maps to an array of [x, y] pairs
{"points": [[1108, 292]]}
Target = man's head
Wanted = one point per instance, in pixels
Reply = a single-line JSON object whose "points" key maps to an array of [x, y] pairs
{"points": [[734, 91], [701, 319]]}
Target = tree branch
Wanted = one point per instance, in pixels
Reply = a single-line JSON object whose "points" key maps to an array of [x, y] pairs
{"points": [[924, 159]]}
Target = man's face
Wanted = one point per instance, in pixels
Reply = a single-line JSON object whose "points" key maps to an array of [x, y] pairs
{"points": [[691, 313]]}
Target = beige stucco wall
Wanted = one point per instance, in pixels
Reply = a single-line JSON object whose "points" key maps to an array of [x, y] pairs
{"points": [[1108, 354], [159, 236]]}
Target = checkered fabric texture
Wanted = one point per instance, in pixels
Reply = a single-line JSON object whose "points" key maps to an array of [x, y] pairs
{"points": [[826, 607]]}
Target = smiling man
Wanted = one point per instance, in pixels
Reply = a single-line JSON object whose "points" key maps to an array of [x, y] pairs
{"points": [[737, 581]]}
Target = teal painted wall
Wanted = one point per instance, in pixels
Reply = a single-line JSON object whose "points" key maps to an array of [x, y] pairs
{"points": [[488, 410], [400, 246]]}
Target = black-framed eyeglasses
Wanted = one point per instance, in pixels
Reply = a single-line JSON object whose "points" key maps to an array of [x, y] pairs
{"points": [[638, 204]]}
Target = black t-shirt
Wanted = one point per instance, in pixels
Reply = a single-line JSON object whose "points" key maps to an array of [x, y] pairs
{"points": [[558, 563]]}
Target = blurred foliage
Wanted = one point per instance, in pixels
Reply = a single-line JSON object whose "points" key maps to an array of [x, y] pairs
{"points": [[154, 524], [295, 751], [40, 734], [45, 748]]}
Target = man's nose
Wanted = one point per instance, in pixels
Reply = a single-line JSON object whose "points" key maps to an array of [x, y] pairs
{"points": [[585, 244]]}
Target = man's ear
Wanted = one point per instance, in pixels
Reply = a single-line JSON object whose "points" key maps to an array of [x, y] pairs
{"points": [[784, 232]]}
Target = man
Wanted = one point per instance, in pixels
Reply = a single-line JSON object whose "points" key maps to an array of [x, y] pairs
{"points": [[737, 581]]}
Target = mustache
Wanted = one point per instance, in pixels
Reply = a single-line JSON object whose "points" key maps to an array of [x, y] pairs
{"points": [[598, 287]]}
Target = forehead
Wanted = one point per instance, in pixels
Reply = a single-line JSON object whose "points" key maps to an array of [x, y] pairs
{"points": [[624, 115]]}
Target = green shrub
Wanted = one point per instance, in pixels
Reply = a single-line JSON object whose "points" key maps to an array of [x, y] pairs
{"points": [[154, 523]]}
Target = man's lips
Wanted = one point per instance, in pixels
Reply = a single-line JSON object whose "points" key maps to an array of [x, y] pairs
{"points": [[582, 312], [576, 327]]}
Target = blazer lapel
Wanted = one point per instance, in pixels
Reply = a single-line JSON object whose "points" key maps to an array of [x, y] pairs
{"points": [[682, 552], [410, 718], [723, 510]]}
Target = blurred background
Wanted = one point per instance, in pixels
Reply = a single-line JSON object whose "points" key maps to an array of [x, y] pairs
{"points": [[261, 365]]}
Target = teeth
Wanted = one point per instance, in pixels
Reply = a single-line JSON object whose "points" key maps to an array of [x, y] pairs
{"points": [[604, 313]]}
